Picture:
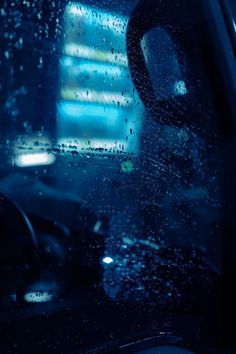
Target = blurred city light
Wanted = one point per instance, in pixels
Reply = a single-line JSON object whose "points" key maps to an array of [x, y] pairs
{"points": [[35, 159], [38, 296], [86, 52], [180, 88], [107, 98], [96, 17], [107, 260], [99, 106]]}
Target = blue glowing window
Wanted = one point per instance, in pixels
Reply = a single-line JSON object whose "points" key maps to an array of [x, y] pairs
{"points": [[99, 107]]}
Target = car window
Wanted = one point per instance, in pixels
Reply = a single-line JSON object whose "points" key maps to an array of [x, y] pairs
{"points": [[116, 204]]}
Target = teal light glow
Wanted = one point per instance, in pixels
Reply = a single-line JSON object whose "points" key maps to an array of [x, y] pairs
{"points": [[180, 88], [96, 17], [84, 67], [82, 111], [38, 296], [101, 68]]}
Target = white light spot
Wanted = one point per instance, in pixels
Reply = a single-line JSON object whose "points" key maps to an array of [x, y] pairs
{"points": [[36, 159], [107, 260]]}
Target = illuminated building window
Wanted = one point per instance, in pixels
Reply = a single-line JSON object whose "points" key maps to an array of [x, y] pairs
{"points": [[99, 108]]}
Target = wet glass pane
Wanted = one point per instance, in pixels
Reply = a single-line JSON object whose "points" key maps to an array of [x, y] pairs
{"points": [[111, 186]]}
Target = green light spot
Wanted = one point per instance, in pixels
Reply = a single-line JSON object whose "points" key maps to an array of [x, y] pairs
{"points": [[127, 166]]}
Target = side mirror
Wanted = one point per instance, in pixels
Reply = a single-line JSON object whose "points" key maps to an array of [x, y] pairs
{"points": [[167, 15]]}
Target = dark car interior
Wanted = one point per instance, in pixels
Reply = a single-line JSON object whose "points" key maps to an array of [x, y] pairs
{"points": [[117, 176]]}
